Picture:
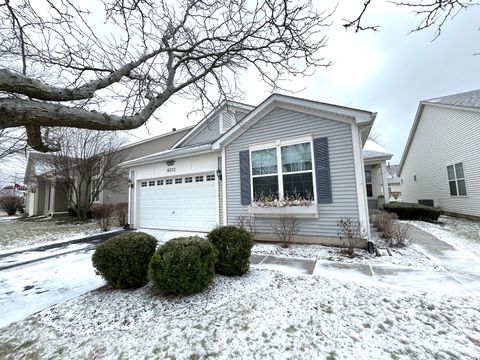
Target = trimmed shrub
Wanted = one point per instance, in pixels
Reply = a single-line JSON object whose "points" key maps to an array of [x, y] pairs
{"points": [[102, 213], [123, 260], [411, 211], [234, 247], [183, 266], [121, 212]]}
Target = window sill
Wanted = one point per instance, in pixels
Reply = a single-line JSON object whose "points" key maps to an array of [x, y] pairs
{"points": [[275, 212]]}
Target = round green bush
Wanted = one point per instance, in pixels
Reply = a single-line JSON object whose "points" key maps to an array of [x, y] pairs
{"points": [[123, 260], [183, 266], [234, 247]]}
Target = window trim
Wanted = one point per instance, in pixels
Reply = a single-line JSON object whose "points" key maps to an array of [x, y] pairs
{"points": [[368, 183], [278, 144], [456, 179]]}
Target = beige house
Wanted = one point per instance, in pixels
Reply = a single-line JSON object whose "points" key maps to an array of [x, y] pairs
{"points": [[46, 196], [375, 158], [440, 165]]}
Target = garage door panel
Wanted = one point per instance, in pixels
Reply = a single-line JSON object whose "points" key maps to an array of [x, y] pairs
{"points": [[183, 206]]}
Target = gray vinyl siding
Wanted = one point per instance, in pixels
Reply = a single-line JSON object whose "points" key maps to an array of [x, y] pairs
{"points": [[155, 145], [220, 194], [284, 124], [207, 133], [210, 131], [443, 137]]}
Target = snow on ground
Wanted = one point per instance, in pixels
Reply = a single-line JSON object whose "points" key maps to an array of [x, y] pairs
{"points": [[27, 289], [263, 315], [27, 233], [407, 256], [460, 233]]}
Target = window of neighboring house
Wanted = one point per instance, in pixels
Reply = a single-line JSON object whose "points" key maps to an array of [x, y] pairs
{"points": [[368, 182], [96, 194], [283, 171], [456, 180]]}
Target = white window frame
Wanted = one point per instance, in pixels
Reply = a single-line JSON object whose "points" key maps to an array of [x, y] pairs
{"points": [[100, 193], [278, 144], [368, 183], [456, 179]]}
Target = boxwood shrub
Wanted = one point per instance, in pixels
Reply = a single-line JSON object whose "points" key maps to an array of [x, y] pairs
{"points": [[412, 211], [183, 266], [234, 247], [123, 260]]}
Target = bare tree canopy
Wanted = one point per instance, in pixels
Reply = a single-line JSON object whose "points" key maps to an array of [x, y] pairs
{"points": [[65, 63], [432, 13], [61, 64]]}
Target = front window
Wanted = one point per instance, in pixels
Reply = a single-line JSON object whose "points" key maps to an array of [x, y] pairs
{"points": [[456, 180], [283, 172], [368, 182]]}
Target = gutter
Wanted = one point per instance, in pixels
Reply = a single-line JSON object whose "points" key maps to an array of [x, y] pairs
{"points": [[168, 154]]}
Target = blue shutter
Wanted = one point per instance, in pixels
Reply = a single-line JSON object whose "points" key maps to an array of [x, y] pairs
{"points": [[322, 169], [245, 177]]}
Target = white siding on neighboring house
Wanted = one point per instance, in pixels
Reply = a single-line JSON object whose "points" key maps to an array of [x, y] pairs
{"points": [[444, 136], [284, 124]]}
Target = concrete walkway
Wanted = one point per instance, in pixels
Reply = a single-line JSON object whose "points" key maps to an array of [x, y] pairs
{"points": [[459, 274]]}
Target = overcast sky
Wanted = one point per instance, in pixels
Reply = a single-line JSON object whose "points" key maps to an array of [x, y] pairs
{"points": [[387, 72]]}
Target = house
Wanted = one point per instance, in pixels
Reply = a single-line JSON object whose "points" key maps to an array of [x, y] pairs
{"points": [[440, 165], [375, 159], [240, 160], [394, 183], [46, 195]]}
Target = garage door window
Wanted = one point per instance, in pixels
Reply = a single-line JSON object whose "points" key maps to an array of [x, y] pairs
{"points": [[151, 183], [210, 177], [178, 181], [188, 179], [168, 182], [159, 182], [143, 184], [198, 178]]}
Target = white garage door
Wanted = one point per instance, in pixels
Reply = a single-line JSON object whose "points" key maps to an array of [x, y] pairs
{"points": [[185, 203]]}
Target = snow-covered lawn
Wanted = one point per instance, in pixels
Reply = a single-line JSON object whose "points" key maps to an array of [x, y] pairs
{"points": [[461, 233], [407, 256], [24, 233], [263, 315]]}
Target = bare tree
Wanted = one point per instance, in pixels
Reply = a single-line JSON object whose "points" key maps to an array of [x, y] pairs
{"points": [[86, 164], [432, 13], [12, 141], [61, 64]]}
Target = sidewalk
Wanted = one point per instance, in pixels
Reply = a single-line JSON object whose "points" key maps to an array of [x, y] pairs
{"points": [[460, 272]]}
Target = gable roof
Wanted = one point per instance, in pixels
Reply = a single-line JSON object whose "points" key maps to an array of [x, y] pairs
{"points": [[37, 165], [373, 150], [357, 115], [204, 122], [169, 139], [360, 117], [469, 100]]}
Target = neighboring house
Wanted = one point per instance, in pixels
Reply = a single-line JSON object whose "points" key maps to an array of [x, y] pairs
{"points": [[394, 183], [240, 158], [14, 190], [375, 158], [440, 165], [46, 195]]}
